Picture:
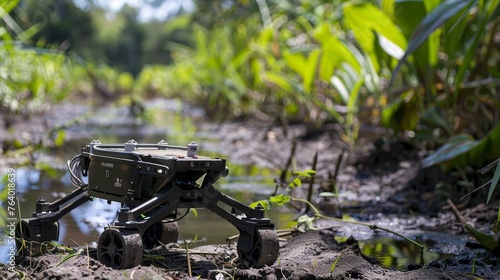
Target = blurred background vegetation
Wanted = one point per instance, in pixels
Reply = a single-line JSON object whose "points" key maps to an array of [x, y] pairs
{"points": [[426, 71]]}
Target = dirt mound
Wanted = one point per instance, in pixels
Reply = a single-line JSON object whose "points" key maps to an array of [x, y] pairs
{"points": [[312, 255]]}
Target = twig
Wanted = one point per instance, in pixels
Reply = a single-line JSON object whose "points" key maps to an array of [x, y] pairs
{"points": [[456, 212], [88, 257]]}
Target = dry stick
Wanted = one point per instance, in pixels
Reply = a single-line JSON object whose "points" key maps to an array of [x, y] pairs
{"points": [[456, 212], [336, 173], [88, 257], [311, 182], [371, 226]]}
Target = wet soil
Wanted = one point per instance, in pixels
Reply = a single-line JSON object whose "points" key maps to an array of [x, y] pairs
{"points": [[379, 182], [311, 255]]}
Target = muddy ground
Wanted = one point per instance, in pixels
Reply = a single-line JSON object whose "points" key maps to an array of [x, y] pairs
{"points": [[379, 182]]}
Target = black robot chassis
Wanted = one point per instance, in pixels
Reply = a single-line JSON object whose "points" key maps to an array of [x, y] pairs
{"points": [[151, 181]]}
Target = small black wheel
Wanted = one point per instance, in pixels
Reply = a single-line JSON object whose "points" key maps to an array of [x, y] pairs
{"points": [[263, 251], [119, 249], [162, 232], [31, 239], [23, 238]]}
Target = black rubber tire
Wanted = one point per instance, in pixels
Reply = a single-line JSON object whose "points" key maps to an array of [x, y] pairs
{"points": [[31, 240], [264, 249], [24, 238], [163, 232], [119, 249]]}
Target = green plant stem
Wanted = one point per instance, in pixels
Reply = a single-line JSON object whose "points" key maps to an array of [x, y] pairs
{"points": [[371, 226], [188, 260]]}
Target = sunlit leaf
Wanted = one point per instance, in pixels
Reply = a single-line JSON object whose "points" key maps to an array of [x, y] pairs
{"points": [[310, 70], [341, 88], [30, 32], [59, 139], [334, 52], [388, 7], [390, 48], [264, 203], [279, 199], [194, 211], [8, 5], [279, 80], [296, 62], [297, 182], [364, 19]]}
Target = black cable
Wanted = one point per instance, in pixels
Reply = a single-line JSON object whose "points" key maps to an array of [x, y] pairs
{"points": [[175, 220]]}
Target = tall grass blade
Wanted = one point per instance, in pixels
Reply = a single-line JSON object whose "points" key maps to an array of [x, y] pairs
{"points": [[438, 16], [494, 183]]}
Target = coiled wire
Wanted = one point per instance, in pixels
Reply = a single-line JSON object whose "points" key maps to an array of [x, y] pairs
{"points": [[75, 171]]}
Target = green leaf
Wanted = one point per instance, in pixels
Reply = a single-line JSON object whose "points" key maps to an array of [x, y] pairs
{"points": [[296, 62], [456, 145], [307, 220], [8, 5], [488, 241], [439, 16], [279, 199], [341, 88], [279, 80], [388, 7], [365, 18], [69, 256], [310, 70], [433, 116], [264, 203], [194, 211], [59, 139], [333, 52], [494, 183], [410, 14], [402, 113], [295, 183]]}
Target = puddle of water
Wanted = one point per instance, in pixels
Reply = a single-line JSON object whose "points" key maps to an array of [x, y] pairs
{"points": [[394, 253]]}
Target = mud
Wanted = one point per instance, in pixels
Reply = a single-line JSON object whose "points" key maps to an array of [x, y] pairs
{"points": [[311, 255], [379, 182]]}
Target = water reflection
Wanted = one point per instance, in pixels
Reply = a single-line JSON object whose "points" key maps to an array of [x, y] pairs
{"points": [[397, 253]]}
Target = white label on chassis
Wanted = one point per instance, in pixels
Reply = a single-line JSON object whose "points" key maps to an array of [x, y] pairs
{"points": [[107, 164], [118, 183]]}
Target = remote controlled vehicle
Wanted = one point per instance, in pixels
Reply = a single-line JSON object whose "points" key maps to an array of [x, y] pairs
{"points": [[152, 182]]}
